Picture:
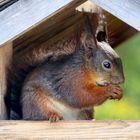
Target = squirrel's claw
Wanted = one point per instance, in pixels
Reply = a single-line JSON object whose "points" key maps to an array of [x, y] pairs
{"points": [[117, 93], [54, 117]]}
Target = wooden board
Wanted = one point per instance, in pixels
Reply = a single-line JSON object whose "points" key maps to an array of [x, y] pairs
{"points": [[72, 130], [25, 15], [118, 31], [5, 3], [126, 10], [5, 57], [49, 29], [16, 24]]}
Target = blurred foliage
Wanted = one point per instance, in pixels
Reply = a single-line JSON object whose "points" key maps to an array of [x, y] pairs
{"points": [[129, 106]]}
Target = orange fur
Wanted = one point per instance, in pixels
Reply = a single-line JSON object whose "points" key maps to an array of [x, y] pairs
{"points": [[87, 93]]}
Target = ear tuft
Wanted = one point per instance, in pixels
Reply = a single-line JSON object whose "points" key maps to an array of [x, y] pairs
{"points": [[101, 32], [87, 40], [87, 37]]}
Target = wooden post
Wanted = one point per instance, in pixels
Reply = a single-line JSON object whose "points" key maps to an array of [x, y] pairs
{"points": [[5, 57]]}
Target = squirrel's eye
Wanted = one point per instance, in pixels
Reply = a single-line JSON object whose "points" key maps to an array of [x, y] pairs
{"points": [[106, 64]]}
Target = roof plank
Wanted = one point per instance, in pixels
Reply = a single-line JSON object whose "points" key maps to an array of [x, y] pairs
{"points": [[24, 15], [126, 10]]}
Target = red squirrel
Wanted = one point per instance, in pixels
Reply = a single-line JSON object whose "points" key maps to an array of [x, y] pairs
{"points": [[67, 84]]}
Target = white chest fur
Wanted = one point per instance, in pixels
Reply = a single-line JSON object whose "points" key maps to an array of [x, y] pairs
{"points": [[67, 112]]}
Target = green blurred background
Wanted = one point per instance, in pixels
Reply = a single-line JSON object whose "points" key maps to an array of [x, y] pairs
{"points": [[129, 106]]}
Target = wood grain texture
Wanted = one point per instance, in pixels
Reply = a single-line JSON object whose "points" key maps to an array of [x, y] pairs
{"points": [[26, 14], [67, 16], [86, 130], [118, 31], [5, 58], [47, 29], [29, 23], [5, 3], [126, 10]]}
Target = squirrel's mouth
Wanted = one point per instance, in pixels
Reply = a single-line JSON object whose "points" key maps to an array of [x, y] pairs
{"points": [[102, 83], [116, 93]]}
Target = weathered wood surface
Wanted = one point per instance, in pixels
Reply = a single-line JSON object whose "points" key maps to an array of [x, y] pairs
{"points": [[5, 3], [30, 23], [24, 15], [86, 130], [48, 28], [118, 30], [5, 57], [126, 10]]}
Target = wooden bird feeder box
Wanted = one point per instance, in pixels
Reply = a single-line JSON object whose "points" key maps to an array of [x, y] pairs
{"points": [[25, 24]]}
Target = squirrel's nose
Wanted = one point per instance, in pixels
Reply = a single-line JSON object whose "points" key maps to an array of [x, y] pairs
{"points": [[121, 81], [117, 80]]}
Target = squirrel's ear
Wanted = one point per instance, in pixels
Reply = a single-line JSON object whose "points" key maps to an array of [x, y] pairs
{"points": [[101, 32], [87, 37]]}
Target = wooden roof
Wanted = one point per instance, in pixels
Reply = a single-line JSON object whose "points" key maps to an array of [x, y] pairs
{"points": [[26, 23], [126, 10]]}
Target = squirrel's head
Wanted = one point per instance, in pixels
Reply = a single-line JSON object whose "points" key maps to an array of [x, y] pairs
{"points": [[101, 58], [107, 65]]}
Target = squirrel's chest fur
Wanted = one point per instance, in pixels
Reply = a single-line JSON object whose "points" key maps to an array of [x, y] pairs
{"points": [[66, 111]]}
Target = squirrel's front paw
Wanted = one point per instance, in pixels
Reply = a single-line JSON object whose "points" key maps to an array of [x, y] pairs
{"points": [[54, 117], [115, 92]]}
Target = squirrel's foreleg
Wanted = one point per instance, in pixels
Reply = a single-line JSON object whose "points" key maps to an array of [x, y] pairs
{"points": [[35, 105]]}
